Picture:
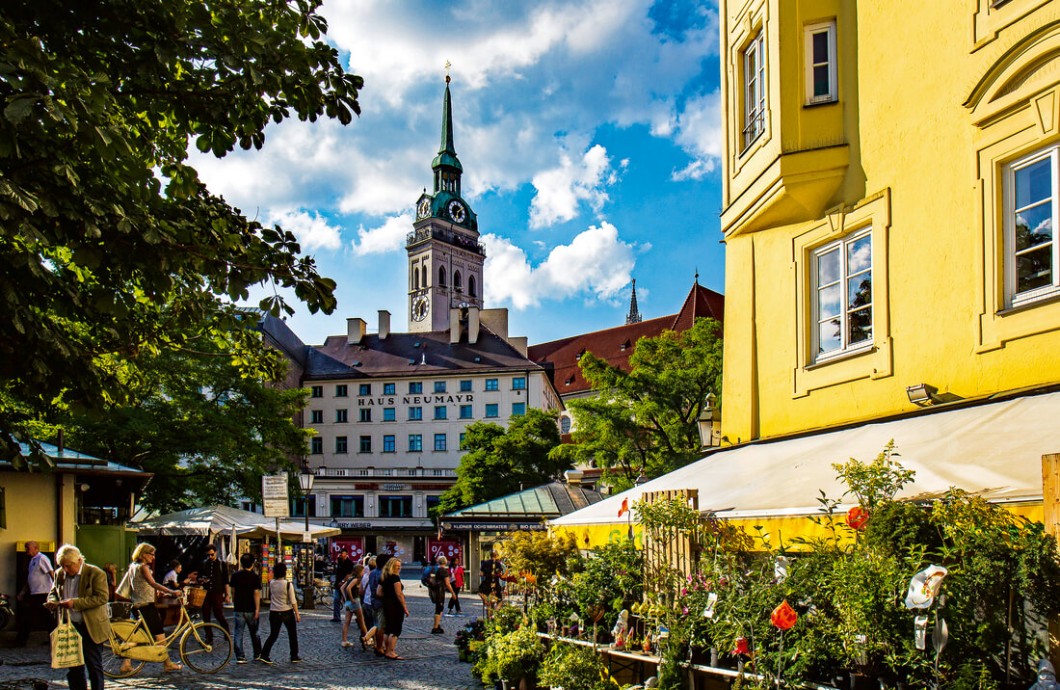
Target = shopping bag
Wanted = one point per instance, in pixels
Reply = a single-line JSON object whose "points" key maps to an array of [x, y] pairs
{"points": [[66, 644], [124, 589]]}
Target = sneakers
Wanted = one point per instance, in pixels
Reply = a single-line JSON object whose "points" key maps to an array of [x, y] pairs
{"points": [[265, 660], [241, 660], [450, 615], [437, 631], [296, 659]]}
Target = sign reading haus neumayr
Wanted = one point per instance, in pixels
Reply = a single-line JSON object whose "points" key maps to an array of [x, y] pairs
{"points": [[440, 399]]}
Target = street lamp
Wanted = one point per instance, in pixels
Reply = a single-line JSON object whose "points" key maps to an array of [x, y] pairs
{"points": [[305, 479]]}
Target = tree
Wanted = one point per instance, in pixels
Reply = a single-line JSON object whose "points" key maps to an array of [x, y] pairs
{"points": [[203, 429], [500, 461], [111, 249], [646, 420]]}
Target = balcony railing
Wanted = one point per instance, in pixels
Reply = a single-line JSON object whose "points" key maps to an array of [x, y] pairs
{"points": [[454, 238]]}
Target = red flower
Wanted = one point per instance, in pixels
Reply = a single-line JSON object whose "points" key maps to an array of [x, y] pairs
{"points": [[784, 616], [742, 646], [857, 517]]}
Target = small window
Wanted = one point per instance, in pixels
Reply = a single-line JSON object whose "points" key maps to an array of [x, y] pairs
{"points": [[441, 276], [465, 386], [415, 443], [843, 295], [822, 83], [395, 506], [754, 89], [316, 446], [299, 504], [518, 409], [1031, 215], [439, 441], [415, 413], [463, 436], [415, 387], [388, 444], [316, 416], [366, 444], [458, 282], [340, 444], [472, 288], [364, 389], [440, 412], [318, 391], [439, 386], [366, 414], [466, 412], [493, 385], [342, 416], [347, 506], [564, 425], [389, 388], [389, 414], [491, 410], [341, 390], [519, 383]]}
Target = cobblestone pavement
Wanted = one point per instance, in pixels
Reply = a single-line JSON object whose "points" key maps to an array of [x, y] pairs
{"points": [[431, 662]]}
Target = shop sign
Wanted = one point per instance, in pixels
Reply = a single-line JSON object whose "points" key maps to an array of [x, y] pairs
{"points": [[497, 526]]}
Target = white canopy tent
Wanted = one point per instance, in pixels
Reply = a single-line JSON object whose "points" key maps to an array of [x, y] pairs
{"points": [[994, 450], [212, 521]]}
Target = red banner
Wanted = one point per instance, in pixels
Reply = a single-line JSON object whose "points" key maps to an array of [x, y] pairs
{"points": [[444, 547], [355, 545]]}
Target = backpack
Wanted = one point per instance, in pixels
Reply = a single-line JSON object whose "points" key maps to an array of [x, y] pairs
{"points": [[427, 578]]}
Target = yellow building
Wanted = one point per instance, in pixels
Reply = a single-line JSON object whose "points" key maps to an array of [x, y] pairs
{"points": [[890, 202]]}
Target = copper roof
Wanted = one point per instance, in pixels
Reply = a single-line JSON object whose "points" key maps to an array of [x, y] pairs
{"points": [[615, 345]]}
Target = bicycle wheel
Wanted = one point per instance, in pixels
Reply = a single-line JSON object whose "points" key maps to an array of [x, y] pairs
{"points": [[323, 596], [202, 655], [123, 632]]}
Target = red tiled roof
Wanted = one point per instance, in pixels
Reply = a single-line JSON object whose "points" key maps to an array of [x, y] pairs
{"points": [[615, 345]]}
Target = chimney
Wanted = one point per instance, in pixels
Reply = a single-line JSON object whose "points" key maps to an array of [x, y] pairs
{"points": [[355, 330], [384, 324], [455, 327], [497, 321], [472, 325], [520, 343]]}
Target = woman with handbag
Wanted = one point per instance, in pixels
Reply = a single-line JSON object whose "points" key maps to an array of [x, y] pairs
{"points": [[283, 610], [139, 585]]}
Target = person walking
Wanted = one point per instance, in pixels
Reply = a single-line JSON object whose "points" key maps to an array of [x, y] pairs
{"points": [[246, 600], [376, 637], [214, 576], [457, 572], [489, 589], [82, 588], [31, 598], [144, 587], [283, 610], [395, 608], [343, 568], [441, 585], [351, 591]]}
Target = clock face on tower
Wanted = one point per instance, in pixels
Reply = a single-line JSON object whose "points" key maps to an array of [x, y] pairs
{"points": [[424, 208], [456, 211], [421, 306]]}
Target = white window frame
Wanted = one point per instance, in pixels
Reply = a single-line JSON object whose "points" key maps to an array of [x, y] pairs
{"points": [[754, 89], [1051, 153], [845, 347], [827, 28]]}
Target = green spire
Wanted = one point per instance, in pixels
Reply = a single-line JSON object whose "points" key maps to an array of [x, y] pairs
{"points": [[446, 166], [447, 122]]}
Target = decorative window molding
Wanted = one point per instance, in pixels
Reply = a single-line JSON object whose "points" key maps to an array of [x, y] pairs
{"points": [[1030, 209], [822, 66], [842, 287], [855, 358], [753, 79]]}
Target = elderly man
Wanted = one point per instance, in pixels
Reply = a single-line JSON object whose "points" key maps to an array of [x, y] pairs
{"points": [[82, 588], [32, 596]]}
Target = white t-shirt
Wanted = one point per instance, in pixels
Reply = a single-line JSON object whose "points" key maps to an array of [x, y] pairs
{"points": [[280, 592], [40, 574]]}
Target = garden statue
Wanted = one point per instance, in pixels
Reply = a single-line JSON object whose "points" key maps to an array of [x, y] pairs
{"points": [[1046, 677], [619, 631]]}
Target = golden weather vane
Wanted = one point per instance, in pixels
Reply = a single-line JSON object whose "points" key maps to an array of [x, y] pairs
{"points": [[447, 66]]}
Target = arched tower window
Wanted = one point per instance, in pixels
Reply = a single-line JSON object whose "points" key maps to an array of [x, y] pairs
{"points": [[415, 278], [425, 283], [441, 276], [471, 289], [458, 281]]}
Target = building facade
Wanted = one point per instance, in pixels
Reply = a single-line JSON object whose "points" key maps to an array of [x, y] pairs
{"points": [[891, 200]]}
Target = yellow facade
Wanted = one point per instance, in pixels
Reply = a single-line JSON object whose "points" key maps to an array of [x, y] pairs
{"points": [[912, 138], [39, 507]]}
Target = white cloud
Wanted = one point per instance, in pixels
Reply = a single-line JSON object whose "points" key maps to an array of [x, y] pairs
{"points": [[390, 236], [561, 191], [597, 264], [700, 134], [312, 231]]}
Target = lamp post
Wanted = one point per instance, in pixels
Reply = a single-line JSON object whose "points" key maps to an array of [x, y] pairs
{"points": [[305, 479]]}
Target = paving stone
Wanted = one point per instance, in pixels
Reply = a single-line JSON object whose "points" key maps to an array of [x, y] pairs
{"points": [[431, 662]]}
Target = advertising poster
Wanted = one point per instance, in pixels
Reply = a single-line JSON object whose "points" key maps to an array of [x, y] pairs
{"points": [[355, 545], [445, 547]]}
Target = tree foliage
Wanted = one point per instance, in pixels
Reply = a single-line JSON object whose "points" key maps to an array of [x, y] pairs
{"points": [[111, 247], [501, 461], [645, 420]]}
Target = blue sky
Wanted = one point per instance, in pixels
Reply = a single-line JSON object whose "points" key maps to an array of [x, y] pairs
{"points": [[589, 133]]}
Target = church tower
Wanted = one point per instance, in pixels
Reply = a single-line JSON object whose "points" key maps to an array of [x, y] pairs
{"points": [[445, 257]]}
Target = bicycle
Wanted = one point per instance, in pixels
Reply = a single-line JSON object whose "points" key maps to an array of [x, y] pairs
{"points": [[322, 592], [132, 640]]}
